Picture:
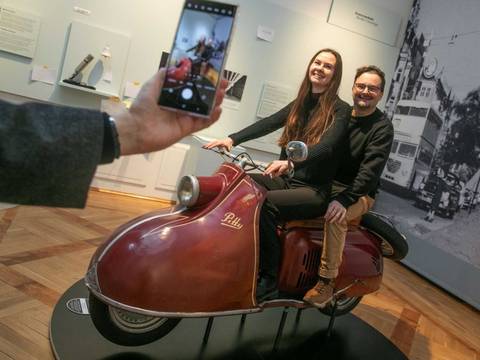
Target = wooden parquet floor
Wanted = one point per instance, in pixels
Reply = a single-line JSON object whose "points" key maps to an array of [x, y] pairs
{"points": [[43, 251]]}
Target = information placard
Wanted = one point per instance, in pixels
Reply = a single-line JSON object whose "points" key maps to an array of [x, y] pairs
{"points": [[18, 31], [274, 97], [367, 19]]}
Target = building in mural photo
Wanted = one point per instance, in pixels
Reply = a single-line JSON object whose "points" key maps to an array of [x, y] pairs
{"points": [[430, 185]]}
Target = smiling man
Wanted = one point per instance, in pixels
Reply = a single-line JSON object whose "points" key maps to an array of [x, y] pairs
{"points": [[357, 179]]}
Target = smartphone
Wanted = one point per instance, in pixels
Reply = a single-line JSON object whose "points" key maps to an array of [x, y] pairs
{"points": [[198, 55]]}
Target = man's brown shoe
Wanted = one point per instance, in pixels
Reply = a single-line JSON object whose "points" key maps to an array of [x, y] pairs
{"points": [[320, 294]]}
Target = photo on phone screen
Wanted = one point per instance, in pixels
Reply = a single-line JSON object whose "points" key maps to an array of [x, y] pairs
{"points": [[198, 55]]}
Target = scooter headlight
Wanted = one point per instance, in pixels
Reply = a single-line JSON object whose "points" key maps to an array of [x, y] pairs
{"points": [[188, 190]]}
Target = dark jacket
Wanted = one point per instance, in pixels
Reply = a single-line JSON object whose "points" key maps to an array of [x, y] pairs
{"points": [[370, 140], [48, 153]]}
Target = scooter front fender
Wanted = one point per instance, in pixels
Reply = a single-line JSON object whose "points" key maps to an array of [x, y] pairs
{"points": [[184, 262]]}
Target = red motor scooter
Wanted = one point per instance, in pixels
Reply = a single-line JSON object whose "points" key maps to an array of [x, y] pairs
{"points": [[200, 258]]}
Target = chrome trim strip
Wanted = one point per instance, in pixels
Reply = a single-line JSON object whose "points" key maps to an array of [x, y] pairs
{"points": [[234, 168], [384, 217], [382, 238], [116, 304], [341, 291], [256, 226], [163, 226], [91, 278], [282, 301], [135, 225]]}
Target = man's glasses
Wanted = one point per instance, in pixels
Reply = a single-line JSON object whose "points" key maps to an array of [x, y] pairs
{"points": [[370, 88]]}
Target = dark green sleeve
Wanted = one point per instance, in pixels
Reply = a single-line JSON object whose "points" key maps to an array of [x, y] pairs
{"points": [[262, 127], [48, 153], [371, 167]]}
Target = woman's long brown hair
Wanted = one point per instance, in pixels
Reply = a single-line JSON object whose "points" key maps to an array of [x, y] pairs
{"points": [[323, 115]]}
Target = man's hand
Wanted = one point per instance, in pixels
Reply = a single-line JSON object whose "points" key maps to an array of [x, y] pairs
{"points": [[226, 143], [335, 213], [276, 168], [146, 127]]}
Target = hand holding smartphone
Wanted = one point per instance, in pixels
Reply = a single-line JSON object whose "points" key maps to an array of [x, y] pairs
{"points": [[197, 58]]}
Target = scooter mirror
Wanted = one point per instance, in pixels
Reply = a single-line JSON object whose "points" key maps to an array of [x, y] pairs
{"points": [[297, 151]]}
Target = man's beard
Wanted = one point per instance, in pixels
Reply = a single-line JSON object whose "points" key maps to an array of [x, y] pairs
{"points": [[363, 105]]}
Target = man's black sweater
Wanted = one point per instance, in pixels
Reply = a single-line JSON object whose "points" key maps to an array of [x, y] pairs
{"points": [[319, 169], [365, 157]]}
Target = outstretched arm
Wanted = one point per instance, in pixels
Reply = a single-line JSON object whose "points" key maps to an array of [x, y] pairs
{"points": [[256, 130], [49, 153], [262, 127]]}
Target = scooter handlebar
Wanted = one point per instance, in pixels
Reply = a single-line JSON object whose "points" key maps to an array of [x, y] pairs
{"points": [[243, 159]]}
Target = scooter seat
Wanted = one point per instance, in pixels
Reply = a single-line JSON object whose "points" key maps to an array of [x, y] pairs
{"points": [[318, 223]]}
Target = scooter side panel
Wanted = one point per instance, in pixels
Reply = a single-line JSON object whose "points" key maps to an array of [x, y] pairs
{"points": [[362, 264], [202, 264]]}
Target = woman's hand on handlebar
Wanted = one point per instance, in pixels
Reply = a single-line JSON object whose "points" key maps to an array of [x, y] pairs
{"points": [[276, 168], [226, 144]]}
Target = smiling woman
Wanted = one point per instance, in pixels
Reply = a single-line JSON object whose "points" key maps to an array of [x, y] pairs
{"points": [[321, 71], [319, 118]]}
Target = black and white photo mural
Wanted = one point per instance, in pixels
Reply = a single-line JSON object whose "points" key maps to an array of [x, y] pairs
{"points": [[430, 186]]}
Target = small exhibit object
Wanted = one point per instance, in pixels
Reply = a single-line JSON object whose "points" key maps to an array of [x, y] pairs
{"points": [[107, 64], [76, 77], [43, 74], [234, 90], [265, 33], [101, 72], [82, 11], [18, 31], [274, 97]]}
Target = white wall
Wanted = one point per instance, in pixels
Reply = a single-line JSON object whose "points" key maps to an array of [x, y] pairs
{"points": [[300, 26]]}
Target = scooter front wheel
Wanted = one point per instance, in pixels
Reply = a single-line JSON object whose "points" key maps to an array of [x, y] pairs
{"points": [[128, 328], [344, 306]]}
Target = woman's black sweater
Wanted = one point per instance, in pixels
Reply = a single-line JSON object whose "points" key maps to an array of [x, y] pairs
{"points": [[319, 169]]}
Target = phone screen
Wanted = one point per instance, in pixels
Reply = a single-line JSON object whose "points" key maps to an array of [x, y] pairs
{"points": [[196, 61]]}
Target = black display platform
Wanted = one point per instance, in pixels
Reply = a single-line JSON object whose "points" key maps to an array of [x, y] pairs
{"points": [[74, 337]]}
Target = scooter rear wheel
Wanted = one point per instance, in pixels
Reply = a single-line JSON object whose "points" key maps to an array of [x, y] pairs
{"points": [[344, 306], [393, 243], [128, 328]]}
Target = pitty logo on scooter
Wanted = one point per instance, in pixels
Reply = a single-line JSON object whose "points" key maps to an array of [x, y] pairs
{"points": [[232, 221]]}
